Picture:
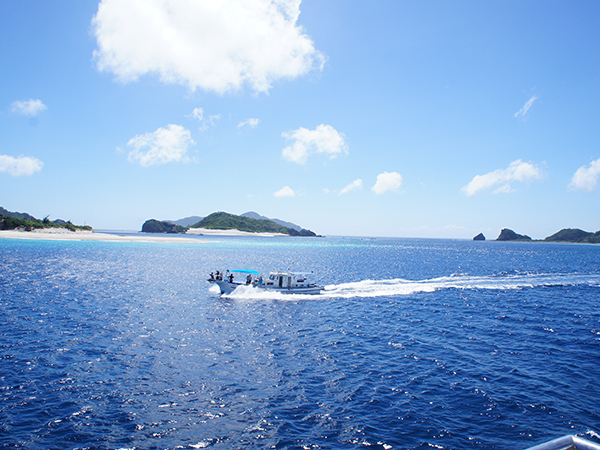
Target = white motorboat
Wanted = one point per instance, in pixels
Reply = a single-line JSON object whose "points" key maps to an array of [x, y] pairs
{"points": [[284, 282]]}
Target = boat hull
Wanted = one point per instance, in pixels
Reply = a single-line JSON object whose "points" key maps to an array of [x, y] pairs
{"points": [[227, 288]]}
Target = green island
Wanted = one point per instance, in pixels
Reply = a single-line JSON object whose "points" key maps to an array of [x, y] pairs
{"points": [[509, 235], [23, 221], [575, 235], [226, 221], [570, 235], [158, 226]]}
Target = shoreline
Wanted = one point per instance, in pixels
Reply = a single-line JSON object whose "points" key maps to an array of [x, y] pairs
{"points": [[62, 234], [192, 236]]}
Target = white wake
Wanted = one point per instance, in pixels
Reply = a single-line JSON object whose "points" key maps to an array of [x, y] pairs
{"points": [[399, 286]]}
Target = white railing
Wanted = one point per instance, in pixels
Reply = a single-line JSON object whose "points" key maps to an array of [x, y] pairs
{"points": [[567, 443]]}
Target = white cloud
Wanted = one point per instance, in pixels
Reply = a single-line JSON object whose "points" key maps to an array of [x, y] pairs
{"points": [[516, 171], [387, 181], [504, 189], [250, 123], [356, 185], [525, 108], [586, 178], [20, 166], [285, 192], [165, 145], [216, 45], [198, 114], [323, 139], [29, 107]]}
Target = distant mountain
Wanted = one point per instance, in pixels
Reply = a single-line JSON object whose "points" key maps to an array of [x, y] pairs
{"points": [[17, 215], [186, 221], [192, 220], [283, 223]]}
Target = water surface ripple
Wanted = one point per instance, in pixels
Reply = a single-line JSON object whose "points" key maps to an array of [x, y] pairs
{"points": [[414, 344]]}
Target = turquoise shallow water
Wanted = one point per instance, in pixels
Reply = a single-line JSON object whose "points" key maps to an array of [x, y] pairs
{"points": [[414, 344]]}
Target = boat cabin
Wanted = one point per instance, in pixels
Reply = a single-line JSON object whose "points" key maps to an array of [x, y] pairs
{"points": [[286, 280]]}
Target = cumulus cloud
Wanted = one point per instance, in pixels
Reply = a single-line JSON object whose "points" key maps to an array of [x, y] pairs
{"points": [[20, 166], [356, 185], [387, 181], [525, 108], [586, 177], [165, 145], [216, 45], [516, 171], [323, 139], [285, 192], [29, 107], [249, 123]]}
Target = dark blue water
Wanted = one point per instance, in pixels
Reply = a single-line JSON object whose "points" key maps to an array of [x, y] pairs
{"points": [[415, 344]]}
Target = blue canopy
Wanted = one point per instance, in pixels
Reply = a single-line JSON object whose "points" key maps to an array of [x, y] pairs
{"points": [[246, 271]]}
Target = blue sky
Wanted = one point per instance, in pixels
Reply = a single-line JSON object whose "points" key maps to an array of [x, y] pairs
{"points": [[385, 118]]}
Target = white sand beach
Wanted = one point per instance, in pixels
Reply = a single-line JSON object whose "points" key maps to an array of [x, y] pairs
{"points": [[64, 234], [211, 232]]}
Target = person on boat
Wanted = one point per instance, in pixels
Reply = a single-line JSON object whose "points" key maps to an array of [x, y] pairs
{"points": [[249, 279], [212, 276], [260, 280], [230, 278], [218, 275]]}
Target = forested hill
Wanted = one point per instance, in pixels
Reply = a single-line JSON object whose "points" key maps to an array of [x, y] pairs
{"points": [[22, 221], [575, 235], [226, 221]]}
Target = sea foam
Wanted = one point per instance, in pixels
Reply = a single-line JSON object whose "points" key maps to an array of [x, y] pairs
{"points": [[399, 286]]}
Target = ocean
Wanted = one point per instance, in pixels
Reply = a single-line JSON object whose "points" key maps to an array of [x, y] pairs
{"points": [[414, 344]]}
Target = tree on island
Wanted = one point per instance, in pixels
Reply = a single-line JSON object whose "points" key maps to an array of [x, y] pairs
{"points": [[23, 221]]}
